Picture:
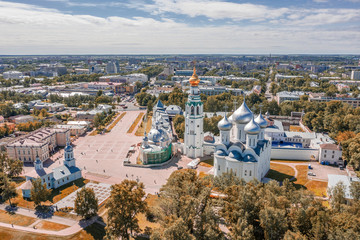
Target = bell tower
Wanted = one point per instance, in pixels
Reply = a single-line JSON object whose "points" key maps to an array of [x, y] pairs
{"points": [[194, 119]]}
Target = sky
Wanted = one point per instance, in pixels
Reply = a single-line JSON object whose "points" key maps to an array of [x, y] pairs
{"points": [[44, 27]]}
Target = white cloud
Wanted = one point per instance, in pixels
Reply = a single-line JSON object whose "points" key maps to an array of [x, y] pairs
{"points": [[29, 29], [214, 10], [320, 1]]}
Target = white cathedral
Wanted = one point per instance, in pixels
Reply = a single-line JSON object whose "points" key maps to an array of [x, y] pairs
{"points": [[241, 148]]}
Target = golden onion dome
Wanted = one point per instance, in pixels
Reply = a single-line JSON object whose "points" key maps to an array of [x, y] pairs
{"points": [[194, 80]]}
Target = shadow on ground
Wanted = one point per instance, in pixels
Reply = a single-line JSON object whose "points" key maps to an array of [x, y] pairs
{"points": [[44, 212]]}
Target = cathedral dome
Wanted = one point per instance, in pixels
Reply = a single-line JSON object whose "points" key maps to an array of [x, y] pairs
{"points": [[242, 114], [164, 135], [154, 135], [224, 124], [261, 121], [252, 127]]}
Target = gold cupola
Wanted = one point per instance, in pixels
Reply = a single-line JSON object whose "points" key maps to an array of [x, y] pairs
{"points": [[194, 80]]}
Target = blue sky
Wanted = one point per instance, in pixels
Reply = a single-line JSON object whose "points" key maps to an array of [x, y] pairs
{"points": [[179, 27]]}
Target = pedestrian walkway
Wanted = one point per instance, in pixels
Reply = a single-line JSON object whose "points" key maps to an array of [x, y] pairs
{"points": [[73, 228]]}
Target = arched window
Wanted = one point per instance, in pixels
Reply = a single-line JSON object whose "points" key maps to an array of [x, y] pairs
{"points": [[250, 173], [192, 110], [197, 110]]}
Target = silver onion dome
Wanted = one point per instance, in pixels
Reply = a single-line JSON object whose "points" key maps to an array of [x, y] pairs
{"points": [[224, 124], [252, 127], [261, 121], [243, 114]]}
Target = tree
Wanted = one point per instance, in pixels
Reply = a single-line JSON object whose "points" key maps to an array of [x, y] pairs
{"points": [[86, 203], [355, 190], [242, 230], [11, 167], [337, 194], [186, 198], [98, 120], [125, 202], [43, 113], [343, 136], [39, 192], [8, 190], [138, 85], [273, 221]]}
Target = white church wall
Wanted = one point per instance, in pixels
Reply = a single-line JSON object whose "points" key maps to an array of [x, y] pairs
{"points": [[294, 154], [209, 149]]}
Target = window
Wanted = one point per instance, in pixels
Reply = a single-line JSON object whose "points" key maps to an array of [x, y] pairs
{"points": [[245, 173], [333, 152], [250, 173], [67, 178], [49, 184], [325, 151], [192, 110], [49, 178], [324, 155], [19, 151], [332, 156], [219, 167], [63, 180], [197, 110]]}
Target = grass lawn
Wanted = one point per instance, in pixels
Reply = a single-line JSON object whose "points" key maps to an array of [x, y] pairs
{"points": [[46, 225], [302, 177], [152, 201], [209, 162], [18, 180], [295, 128], [135, 123], [56, 194], [16, 219], [280, 172], [319, 188], [140, 130], [116, 121], [5, 234], [65, 190]]}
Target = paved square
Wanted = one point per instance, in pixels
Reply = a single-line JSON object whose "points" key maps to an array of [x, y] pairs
{"points": [[101, 158]]}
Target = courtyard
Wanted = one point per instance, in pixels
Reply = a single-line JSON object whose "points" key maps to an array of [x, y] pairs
{"points": [[101, 157]]}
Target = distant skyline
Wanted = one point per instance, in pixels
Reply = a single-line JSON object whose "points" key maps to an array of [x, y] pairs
{"points": [[42, 27]]}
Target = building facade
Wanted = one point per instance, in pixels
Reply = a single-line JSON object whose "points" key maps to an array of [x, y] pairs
{"points": [[53, 178], [242, 148], [40, 143], [194, 116], [156, 146]]}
